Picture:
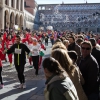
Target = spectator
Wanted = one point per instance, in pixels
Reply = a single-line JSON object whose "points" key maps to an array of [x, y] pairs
{"points": [[63, 58], [89, 69], [58, 84], [74, 46]]}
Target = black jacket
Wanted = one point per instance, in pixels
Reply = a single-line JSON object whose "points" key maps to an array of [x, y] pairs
{"points": [[19, 58], [89, 69], [96, 55]]}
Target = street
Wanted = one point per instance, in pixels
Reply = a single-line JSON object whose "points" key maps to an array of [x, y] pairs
{"points": [[35, 85]]}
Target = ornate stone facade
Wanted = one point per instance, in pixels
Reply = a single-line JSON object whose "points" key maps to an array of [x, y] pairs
{"points": [[29, 13], [74, 17], [11, 13], [28, 20]]}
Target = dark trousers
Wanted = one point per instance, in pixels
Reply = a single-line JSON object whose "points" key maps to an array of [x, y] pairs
{"points": [[93, 96], [20, 71], [1, 75], [46, 43], [52, 41], [35, 60]]}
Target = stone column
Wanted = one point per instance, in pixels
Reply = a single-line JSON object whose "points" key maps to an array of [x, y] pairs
{"points": [[19, 1], [22, 5], [15, 3], [2, 15]]}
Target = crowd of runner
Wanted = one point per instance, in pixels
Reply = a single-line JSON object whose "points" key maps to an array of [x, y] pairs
{"points": [[74, 61]]}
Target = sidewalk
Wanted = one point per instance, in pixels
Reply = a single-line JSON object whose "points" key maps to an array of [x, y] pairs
{"points": [[35, 85]]}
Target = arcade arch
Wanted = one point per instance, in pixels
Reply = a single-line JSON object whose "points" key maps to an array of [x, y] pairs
{"points": [[12, 20], [21, 22], [6, 19], [17, 20]]}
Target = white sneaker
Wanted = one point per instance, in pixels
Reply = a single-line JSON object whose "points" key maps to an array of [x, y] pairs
{"points": [[20, 86], [24, 86]]}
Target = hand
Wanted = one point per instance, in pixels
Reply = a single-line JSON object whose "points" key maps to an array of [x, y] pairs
{"points": [[28, 56], [4, 51], [32, 52]]}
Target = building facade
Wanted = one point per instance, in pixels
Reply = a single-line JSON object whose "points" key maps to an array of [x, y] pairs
{"points": [[30, 13], [74, 17], [28, 20], [11, 14]]}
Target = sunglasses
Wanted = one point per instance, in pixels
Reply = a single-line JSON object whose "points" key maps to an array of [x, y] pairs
{"points": [[85, 48]]}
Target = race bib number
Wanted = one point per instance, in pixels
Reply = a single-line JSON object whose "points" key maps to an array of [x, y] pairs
{"points": [[18, 51], [34, 49]]}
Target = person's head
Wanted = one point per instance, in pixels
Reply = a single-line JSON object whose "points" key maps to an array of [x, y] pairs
{"points": [[71, 39], [51, 67], [58, 40], [39, 41], [73, 55], [59, 45], [9, 37], [63, 58], [79, 41], [30, 39], [17, 39], [86, 48], [34, 41], [93, 41], [66, 43]]}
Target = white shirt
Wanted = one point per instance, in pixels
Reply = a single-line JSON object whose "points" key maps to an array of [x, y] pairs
{"points": [[35, 50]]}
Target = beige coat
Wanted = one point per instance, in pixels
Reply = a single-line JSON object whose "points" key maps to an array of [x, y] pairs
{"points": [[78, 80]]}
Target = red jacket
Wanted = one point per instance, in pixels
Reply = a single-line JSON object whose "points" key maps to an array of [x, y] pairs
{"points": [[9, 43], [0, 58], [5, 37]]}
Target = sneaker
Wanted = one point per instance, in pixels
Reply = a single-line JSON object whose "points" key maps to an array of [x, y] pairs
{"points": [[24, 86], [30, 66], [2, 86], [10, 64], [20, 86]]}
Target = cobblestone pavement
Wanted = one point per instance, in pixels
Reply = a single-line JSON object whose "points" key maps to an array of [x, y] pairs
{"points": [[35, 85]]}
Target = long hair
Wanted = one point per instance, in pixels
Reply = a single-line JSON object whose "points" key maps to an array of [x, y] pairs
{"points": [[59, 45], [52, 65], [63, 58]]}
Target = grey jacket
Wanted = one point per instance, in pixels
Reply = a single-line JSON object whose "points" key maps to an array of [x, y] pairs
{"points": [[60, 88]]}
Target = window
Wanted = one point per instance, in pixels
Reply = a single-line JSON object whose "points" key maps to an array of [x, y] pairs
{"points": [[6, 2], [12, 4], [21, 5], [98, 29], [17, 4]]}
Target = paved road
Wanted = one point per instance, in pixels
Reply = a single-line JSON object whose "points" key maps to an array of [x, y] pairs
{"points": [[35, 85]]}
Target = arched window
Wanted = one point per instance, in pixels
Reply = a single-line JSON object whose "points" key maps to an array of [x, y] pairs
{"points": [[17, 4], [12, 3], [21, 5], [6, 2]]}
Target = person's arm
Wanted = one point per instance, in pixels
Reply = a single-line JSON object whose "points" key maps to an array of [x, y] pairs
{"points": [[1, 54], [92, 76], [26, 49], [10, 50], [80, 76]]}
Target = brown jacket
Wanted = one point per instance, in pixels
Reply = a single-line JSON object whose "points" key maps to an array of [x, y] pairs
{"points": [[78, 81]]}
